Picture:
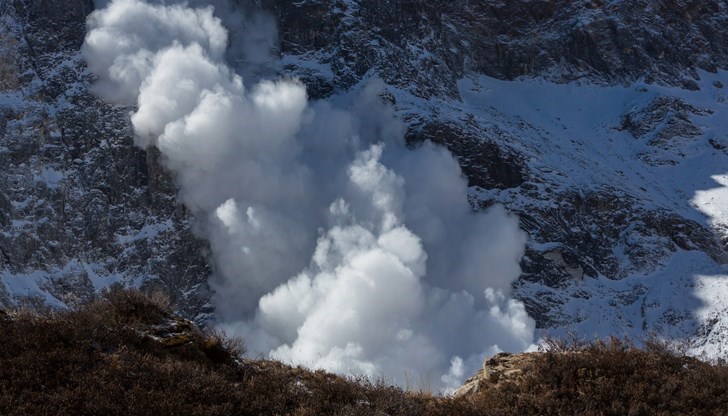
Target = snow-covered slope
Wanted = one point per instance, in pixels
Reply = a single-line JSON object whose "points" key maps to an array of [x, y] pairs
{"points": [[613, 151], [667, 274], [627, 229]]}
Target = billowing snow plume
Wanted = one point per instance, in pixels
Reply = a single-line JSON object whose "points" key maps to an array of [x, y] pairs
{"points": [[334, 246]]}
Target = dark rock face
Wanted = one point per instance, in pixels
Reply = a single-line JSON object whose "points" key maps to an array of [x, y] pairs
{"points": [[425, 46], [80, 206], [482, 161], [667, 125], [663, 120], [61, 24], [589, 227]]}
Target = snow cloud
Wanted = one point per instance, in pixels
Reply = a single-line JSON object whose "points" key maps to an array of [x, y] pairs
{"points": [[334, 246]]}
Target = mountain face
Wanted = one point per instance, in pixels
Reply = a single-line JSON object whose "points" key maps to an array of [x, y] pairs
{"points": [[611, 42], [601, 124], [82, 208]]}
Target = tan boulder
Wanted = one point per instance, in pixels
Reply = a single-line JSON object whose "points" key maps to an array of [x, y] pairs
{"points": [[498, 370]]}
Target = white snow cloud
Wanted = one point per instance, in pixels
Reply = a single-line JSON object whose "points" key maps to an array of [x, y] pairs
{"points": [[334, 246]]}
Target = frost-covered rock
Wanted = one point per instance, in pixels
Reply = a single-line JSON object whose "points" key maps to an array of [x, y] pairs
{"points": [[426, 46], [81, 208]]}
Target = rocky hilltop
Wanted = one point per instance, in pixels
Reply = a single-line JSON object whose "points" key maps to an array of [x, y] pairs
{"points": [[600, 123]]}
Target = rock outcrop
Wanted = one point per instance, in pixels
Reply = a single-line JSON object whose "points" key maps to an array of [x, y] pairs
{"points": [[81, 208], [426, 46], [498, 370]]}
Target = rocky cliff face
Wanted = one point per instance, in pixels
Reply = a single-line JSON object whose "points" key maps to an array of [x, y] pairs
{"points": [[618, 104], [426, 46], [610, 126], [82, 208]]}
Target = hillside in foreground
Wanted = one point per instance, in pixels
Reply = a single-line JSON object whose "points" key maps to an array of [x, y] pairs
{"points": [[126, 353]]}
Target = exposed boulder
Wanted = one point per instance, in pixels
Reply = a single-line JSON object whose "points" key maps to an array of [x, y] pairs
{"points": [[662, 120], [498, 370]]}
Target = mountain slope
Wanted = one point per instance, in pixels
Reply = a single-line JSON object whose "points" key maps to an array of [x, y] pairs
{"points": [[82, 208], [608, 147], [601, 124]]}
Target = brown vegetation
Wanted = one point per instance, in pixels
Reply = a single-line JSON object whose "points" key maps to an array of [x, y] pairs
{"points": [[612, 377], [127, 354]]}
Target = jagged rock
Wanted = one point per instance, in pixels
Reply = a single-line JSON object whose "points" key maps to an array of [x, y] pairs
{"points": [[425, 46], [497, 371], [82, 208], [662, 120], [173, 331], [718, 145], [483, 162], [556, 256], [666, 124]]}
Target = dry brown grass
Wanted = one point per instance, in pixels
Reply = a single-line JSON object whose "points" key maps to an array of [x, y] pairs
{"points": [[102, 360], [614, 377]]}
